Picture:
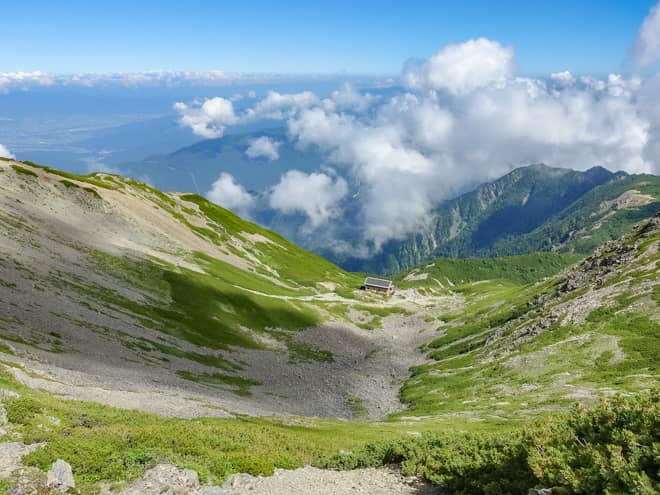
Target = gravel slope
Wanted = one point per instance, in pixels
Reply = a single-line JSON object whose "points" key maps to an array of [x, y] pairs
{"points": [[313, 481]]}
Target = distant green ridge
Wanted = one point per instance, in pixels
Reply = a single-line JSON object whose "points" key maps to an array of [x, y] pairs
{"points": [[535, 208]]}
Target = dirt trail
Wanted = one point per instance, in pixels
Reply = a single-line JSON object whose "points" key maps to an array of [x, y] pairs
{"points": [[312, 481]]}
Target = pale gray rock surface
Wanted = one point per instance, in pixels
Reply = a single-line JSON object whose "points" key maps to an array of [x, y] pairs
{"points": [[163, 479], [11, 454], [60, 477], [166, 479]]}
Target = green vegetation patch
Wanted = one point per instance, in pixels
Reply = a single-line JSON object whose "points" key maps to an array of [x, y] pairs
{"points": [[301, 352], [206, 309], [610, 448], [358, 409], [72, 185], [106, 444], [23, 171], [290, 261], [211, 360], [522, 269], [92, 178]]}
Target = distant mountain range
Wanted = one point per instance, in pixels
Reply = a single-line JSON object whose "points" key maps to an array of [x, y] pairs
{"points": [[196, 167], [534, 208]]}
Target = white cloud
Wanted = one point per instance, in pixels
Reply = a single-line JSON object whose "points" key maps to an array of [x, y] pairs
{"points": [[209, 119], [231, 195], [5, 153], [646, 51], [316, 195], [565, 78], [263, 147], [464, 118], [23, 80], [348, 98], [462, 67], [278, 106], [415, 149], [12, 81]]}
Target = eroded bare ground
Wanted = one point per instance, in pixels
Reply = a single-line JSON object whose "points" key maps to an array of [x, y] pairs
{"points": [[368, 369], [66, 341]]}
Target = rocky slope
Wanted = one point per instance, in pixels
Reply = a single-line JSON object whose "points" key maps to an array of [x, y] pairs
{"points": [[113, 291], [592, 330]]}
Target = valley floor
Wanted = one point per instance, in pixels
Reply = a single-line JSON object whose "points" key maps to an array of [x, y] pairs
{"points": [[362, 380], [101, 285]]}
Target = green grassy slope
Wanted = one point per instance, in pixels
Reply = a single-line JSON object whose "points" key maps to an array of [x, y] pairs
{"points": [[591, 220], [271, 289], [522, 269], [515, 352]]}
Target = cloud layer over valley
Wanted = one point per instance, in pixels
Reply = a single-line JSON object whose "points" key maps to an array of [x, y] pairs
{"points": [[374, 156], [461, 117]]}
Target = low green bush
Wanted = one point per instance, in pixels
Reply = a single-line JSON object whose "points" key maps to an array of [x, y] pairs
{"points": [[611, 448]]}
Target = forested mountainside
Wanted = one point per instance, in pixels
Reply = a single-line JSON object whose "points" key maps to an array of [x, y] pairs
{"points": [[535, 208]]}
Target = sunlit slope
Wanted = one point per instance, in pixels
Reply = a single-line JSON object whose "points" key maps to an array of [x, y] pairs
{"points": [[110, 282], [443, 273], [515, 352], [177, 244]]}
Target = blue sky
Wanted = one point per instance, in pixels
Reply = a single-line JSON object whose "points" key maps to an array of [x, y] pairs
{"points": [[358, 37]]}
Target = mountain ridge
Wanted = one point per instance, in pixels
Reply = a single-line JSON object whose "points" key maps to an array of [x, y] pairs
{"points": [[507, 216]]}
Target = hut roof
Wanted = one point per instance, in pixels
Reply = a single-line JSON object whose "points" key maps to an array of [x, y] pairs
{"points": [[378, 282]]}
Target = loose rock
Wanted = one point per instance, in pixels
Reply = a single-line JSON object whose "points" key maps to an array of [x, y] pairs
{"points": [[60, 477], [313, 481], [163, 479]]}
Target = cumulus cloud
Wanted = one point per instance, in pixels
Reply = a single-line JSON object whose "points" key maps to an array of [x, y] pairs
{"points": [[565, 78], [277, 106], [316, 195], [231, 195], [209, 119], [5, 153], [462, 67], [348, 98], [646, 51], [263, 147], [463, 117]]}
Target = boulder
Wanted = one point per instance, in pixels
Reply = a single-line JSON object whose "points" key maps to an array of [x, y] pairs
{"points": [[60, 477], [162, 479]]}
